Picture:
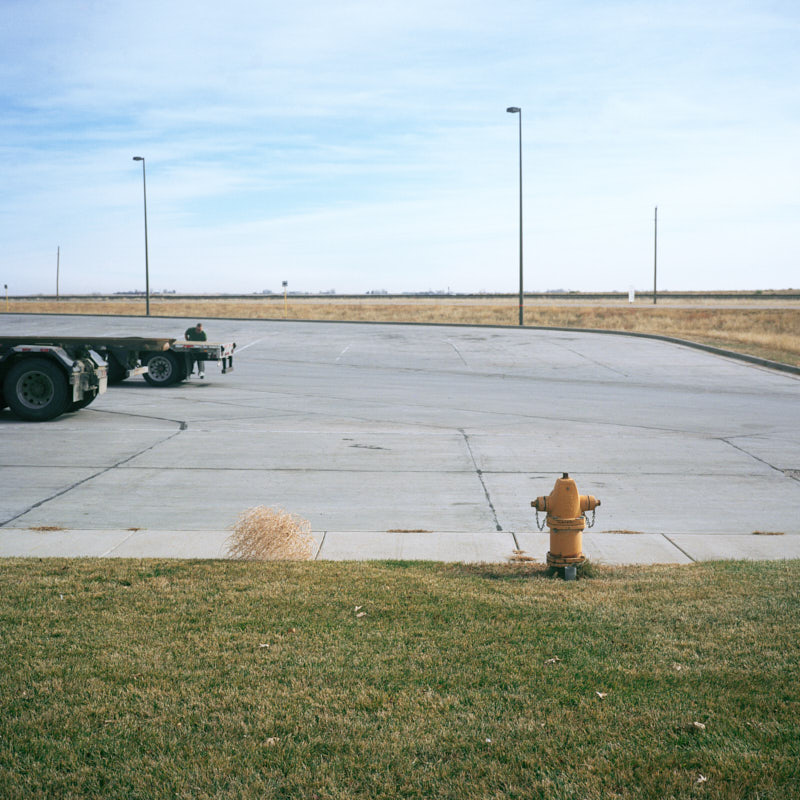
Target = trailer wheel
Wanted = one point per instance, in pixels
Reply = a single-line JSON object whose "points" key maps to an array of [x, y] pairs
{"points": [[163, 369], [36, 390], [76, 405]]}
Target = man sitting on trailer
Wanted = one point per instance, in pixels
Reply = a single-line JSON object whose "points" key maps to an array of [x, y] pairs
{"points": [[197, 334]]}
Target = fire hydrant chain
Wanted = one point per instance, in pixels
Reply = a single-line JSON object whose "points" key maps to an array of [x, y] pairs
{"points": [[540, 525]]}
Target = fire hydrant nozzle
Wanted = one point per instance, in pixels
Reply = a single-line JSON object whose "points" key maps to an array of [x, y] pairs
{"points": [[566, 519]]}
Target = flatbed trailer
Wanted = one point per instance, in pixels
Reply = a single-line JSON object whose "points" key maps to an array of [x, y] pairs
{"points": [[88, 364]]}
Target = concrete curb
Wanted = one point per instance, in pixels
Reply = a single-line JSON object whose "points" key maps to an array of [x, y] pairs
{"points": [[445, 546]]}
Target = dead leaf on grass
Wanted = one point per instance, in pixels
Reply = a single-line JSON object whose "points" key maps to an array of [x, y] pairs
{"points": [[553, 660], [272, 741], [602, 695], [361, 614], [701, 779]]}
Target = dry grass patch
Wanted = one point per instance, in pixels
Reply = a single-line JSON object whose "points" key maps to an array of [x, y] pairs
{"points": [[271, 534]]}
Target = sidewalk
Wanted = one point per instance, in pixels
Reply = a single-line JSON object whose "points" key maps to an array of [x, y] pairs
{"points": [[494, 547]]}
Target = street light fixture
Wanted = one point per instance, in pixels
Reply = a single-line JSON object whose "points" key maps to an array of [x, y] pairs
{"points": [[146, 256], [515, 110]]}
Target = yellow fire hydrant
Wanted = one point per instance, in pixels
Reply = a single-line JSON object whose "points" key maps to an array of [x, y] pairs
{"points": [[566, 518]]}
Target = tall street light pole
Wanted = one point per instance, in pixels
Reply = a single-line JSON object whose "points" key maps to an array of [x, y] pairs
{"points": [[515, 110], [146, 256]]}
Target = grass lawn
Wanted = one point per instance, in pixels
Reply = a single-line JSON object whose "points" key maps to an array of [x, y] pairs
{"points": [[151, 679]]}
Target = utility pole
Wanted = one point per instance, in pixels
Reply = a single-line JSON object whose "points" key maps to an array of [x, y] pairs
{"points": [[655, 257], [58, 267]]}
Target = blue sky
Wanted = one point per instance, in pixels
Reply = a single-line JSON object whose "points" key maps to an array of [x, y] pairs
{"points": [[365, 145]]}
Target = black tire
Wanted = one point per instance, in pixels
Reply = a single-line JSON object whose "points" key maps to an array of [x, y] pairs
{"points": [[163, 369], [36, 389], [77, 405]]}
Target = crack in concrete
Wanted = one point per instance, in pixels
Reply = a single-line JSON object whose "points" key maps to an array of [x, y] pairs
{"points": [[458, 353], [183, 425], [97, 474], [591, 360], [752, 455], [479, 473]]}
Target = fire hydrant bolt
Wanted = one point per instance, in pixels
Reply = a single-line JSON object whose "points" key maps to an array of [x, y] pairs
{"points": [[565, 517]]}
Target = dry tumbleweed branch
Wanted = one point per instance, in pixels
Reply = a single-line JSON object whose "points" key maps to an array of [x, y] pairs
{"points": [[270, 534]]}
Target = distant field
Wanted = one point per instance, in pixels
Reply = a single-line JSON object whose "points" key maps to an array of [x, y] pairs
{"points": [[768, 326]]}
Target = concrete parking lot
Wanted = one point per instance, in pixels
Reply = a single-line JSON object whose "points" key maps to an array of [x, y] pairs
{"points": [[401, 441]]}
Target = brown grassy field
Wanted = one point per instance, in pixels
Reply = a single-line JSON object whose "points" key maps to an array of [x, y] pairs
{"points": [[768, 328]]}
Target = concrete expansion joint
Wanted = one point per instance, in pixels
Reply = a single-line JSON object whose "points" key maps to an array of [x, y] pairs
{"points": [[479, 473], [91, 477], [110, 550], [678, 547]]}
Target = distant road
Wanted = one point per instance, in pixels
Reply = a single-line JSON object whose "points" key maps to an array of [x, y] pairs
{"points": [[761, 298]]}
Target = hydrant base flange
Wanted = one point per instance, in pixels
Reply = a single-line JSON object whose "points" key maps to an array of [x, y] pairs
{"points": [[565, 561]]}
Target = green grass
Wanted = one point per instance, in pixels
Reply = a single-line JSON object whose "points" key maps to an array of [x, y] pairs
{"points": [[150, 679]]}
